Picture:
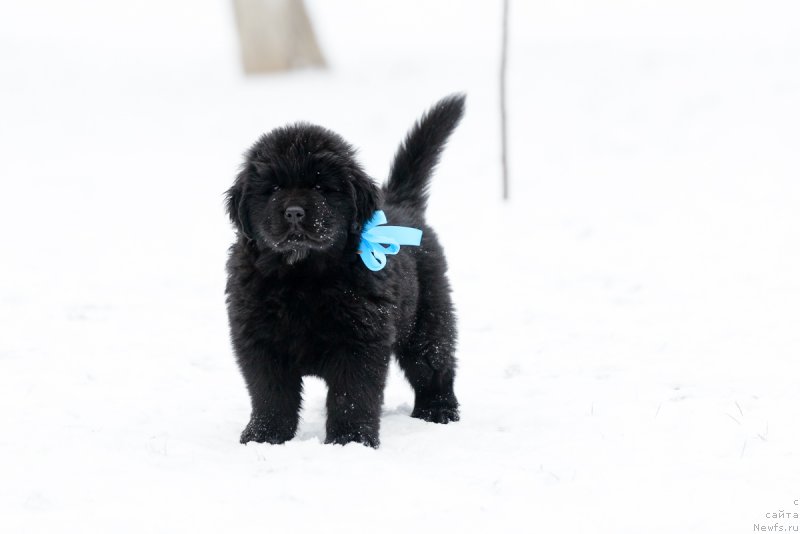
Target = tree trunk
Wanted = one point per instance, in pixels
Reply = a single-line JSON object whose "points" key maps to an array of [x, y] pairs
{"points": [[503, 120], [276, 35]]}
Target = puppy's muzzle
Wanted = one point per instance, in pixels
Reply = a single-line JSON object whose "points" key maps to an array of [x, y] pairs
{"points": [[294, 215]]}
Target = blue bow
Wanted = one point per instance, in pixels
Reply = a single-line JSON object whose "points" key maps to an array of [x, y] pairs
{"points": [[378, 241]]}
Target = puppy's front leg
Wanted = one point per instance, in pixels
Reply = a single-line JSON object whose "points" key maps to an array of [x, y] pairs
{"points": [[355, 397], [275, 396]]}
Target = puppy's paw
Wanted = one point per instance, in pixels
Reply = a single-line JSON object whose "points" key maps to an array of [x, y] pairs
{"points": [[437, 414], [366, 438], [263, 431]]}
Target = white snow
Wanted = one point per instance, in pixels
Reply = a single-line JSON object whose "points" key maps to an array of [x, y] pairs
{"points": [[629, 321]]}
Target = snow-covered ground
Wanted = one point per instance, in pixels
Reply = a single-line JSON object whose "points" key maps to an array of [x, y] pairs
{"points": [[629, 321]]}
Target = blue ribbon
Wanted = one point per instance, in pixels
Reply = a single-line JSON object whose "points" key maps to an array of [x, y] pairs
{"points": [[377, 241]]}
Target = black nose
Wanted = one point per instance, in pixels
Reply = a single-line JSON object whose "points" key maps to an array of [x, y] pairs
{"points": [[294, 214]]}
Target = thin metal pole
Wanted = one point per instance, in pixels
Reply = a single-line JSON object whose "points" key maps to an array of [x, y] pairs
{"points": [[503, 125]]}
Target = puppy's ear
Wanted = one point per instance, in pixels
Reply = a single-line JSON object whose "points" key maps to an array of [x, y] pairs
{"points": [[366, 198], [260, 167], [236, 206]]}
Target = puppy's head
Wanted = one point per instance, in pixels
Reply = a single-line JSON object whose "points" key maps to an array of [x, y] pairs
{"points": [[301, 191]]}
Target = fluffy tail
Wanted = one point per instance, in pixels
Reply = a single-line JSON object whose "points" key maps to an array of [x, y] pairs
{"points": [[418, 155]]}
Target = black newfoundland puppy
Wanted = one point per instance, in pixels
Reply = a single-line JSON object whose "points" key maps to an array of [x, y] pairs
{"points": [[302, 302]]}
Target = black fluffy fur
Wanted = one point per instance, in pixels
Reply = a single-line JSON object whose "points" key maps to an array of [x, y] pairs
{"points": [[301, 302]]}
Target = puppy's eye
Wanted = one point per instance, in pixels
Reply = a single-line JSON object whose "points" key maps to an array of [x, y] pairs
{"points": [[318, 187], [276, 188]]}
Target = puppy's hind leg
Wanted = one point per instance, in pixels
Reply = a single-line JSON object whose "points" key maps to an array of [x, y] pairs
{"points": [[427, 357]]}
